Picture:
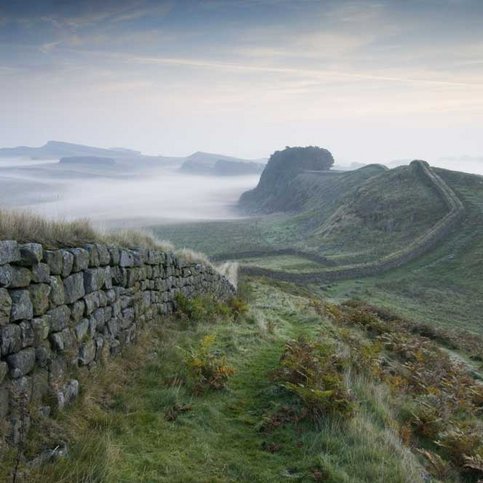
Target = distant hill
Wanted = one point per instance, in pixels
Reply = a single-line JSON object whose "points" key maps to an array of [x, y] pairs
{"points": [[91, 161], [57, 150], [220, 165], [272, 192]]}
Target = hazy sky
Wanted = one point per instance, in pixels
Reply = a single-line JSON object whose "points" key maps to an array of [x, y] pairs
{"points": [[371, 80]]}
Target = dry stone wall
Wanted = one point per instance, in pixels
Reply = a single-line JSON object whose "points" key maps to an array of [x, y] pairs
{"points": [[66, 309], [418, 247]]}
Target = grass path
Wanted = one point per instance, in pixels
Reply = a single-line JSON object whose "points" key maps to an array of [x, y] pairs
{"points": [[120, 432]]}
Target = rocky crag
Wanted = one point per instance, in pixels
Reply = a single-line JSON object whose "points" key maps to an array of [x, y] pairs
{"points": [[63, 311]]}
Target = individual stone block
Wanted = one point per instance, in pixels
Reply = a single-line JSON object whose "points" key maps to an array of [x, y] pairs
{"points": [[5, 306], [87, 353], [41, 273], [115, 255], [113, 327], [67, 394], [82, 329], [6, 275], [77, 310], [21, 305], [54, 260], [4, 401], [57, 293], [126, 258], [43, 354], [93, 255], [59, 318], [67, 262], [94, 279], [92, 301], [21, 277], [9, 252], [57, 341], [39, 295], [81, 259], [40, 328], [31, 254], [3, 371], [11, 339], [27, 334], [21, 363], [104, 255], [74, 288]]}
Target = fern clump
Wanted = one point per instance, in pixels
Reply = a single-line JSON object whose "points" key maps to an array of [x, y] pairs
{"points": [[313, 372]]}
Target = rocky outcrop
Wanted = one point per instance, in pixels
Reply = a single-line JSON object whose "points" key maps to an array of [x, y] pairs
{"points": [[64, 310], [270, 195], [415, 249]]}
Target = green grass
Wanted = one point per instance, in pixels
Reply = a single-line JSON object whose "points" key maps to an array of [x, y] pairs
{"points": [[443, 287], [289, 263], [121, 433]]}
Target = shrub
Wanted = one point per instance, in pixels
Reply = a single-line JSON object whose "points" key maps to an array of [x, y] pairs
{"points": [[313, 372], [208, 308], [207, 366]]}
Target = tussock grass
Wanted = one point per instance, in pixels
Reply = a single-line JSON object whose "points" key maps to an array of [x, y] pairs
{"points": [[28, 227], [230, 271], [25, 227]]}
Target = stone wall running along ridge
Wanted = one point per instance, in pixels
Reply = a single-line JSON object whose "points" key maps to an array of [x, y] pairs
{"points": [[438, 232], [68, 308]]}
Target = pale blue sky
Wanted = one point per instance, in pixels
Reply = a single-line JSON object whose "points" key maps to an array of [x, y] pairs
{"points": [[372, 80]]}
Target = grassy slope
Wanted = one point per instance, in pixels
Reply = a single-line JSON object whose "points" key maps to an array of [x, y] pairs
{"points": [[119, 431], [443, 287]]}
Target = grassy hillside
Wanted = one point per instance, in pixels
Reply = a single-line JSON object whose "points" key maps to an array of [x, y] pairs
{"points": [[378, 211], [443, 287], [210, 396]]}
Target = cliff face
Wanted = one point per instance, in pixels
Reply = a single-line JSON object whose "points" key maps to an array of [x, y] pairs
{"points": [[283, 167], [62, 310]]}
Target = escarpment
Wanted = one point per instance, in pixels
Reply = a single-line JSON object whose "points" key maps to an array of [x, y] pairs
{"points": [[65, 310]]}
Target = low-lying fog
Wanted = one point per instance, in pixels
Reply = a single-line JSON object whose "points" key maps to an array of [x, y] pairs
{"points": [[119, 199]]}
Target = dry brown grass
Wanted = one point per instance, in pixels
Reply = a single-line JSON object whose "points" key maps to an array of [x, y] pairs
{"points": [[28, 227]]}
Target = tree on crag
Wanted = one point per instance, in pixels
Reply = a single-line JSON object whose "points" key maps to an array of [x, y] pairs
{"points": [[283, 166]]}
